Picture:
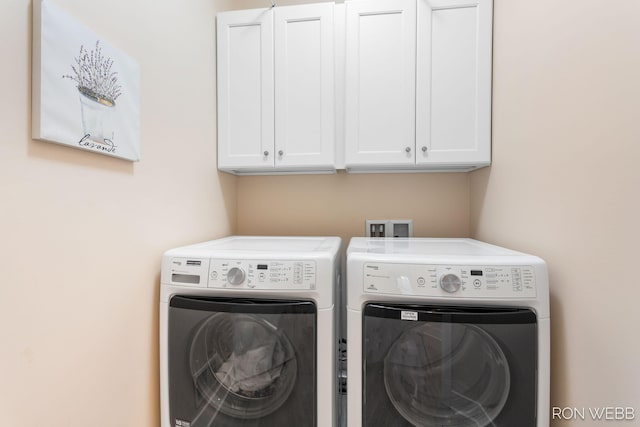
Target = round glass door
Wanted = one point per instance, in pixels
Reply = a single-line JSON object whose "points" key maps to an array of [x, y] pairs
{"points": [[242, 365], [447, 374]]}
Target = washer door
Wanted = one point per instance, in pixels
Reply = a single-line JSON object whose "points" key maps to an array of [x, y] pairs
{"points": [[242, 365], [240, 362], [445, 366]]}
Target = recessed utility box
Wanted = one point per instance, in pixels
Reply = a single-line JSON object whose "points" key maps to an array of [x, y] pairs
{"points": [[389, 228]]}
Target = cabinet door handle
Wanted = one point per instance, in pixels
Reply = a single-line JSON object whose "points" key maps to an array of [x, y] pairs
{"points": [[280, 153], [266, 153], [408, 149], [424, 148]]}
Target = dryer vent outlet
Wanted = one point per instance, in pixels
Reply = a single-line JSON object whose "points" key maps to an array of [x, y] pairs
{"points": [[389, 228]]}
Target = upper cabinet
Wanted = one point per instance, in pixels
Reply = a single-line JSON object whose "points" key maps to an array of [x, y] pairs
{"points": [[276, 95], [380, 83], [418, 85], [245, 90], [368, 85], [453, 88]]}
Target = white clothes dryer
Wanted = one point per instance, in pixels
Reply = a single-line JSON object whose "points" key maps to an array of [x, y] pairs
{"points": [[446, 332], [247, 332]]}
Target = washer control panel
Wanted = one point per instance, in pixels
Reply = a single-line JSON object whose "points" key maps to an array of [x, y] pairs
{"points": [[464, 281], [190, 272], [261, 274]]}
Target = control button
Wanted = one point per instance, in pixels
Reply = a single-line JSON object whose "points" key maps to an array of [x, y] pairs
{"points": [[235, 276], [214, 274], [421, 281], [477, 283], [261, 276], [450, 283]]}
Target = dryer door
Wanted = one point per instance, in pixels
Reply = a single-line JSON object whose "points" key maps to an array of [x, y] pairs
{"points": [[237, 362], [449, 366]]}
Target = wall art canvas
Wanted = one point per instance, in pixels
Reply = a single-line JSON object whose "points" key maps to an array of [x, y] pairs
{"points": [[86, 93]]}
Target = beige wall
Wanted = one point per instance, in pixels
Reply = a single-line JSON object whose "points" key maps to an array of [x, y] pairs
{"points": [[565, 182], [340, 204], [82, 234]]}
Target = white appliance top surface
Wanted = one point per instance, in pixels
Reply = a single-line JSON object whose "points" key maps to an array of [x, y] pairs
{"points": [[427, 247], [247, 246]]}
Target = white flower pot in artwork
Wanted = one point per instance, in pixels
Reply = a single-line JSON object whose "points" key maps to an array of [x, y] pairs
{"points": [[97, 118]]}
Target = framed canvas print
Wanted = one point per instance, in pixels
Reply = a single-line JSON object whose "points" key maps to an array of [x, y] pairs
{"points": [[86, 93]]}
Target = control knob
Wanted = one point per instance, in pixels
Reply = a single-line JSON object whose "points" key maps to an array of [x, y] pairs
{"points": [[235, 276], [450, 283]]}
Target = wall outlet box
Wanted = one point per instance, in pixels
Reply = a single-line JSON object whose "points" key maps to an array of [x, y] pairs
{"points": [[389, 228]]}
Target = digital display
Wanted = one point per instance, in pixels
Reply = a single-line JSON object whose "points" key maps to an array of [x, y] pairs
{"points": [[186, 278], [263, 266], [476, 272]]}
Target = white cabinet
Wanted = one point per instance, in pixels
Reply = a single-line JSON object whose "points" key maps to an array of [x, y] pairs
{"points": [[282, 121], [453, 94], [305, 95], [380, 82], [369, 85], [418, 84], [245, 90]]}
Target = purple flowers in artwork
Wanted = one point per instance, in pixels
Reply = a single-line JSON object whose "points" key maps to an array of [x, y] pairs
{"points": [[94, 76]]}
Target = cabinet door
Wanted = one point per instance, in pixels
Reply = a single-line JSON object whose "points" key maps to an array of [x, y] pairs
{"points": [[453, 107], [380, 83], [245, 89], [304, 87]]}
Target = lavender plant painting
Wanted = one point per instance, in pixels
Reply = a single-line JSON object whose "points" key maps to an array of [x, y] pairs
{"points": [[98, 87], [85, 92]]}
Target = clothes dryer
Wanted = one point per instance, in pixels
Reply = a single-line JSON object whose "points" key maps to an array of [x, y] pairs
{"points": [[446, 332], [247, 332]]}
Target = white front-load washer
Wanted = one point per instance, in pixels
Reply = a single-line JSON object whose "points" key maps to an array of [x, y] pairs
{"points": [[446, 332], [247, 332]]}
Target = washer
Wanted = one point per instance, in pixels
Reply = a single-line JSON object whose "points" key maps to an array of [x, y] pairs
{"points": [[446, 332], [247, 332]]}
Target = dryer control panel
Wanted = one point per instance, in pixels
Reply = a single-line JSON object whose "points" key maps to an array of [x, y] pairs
{"points": [[262, 274], [464, 281]]}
